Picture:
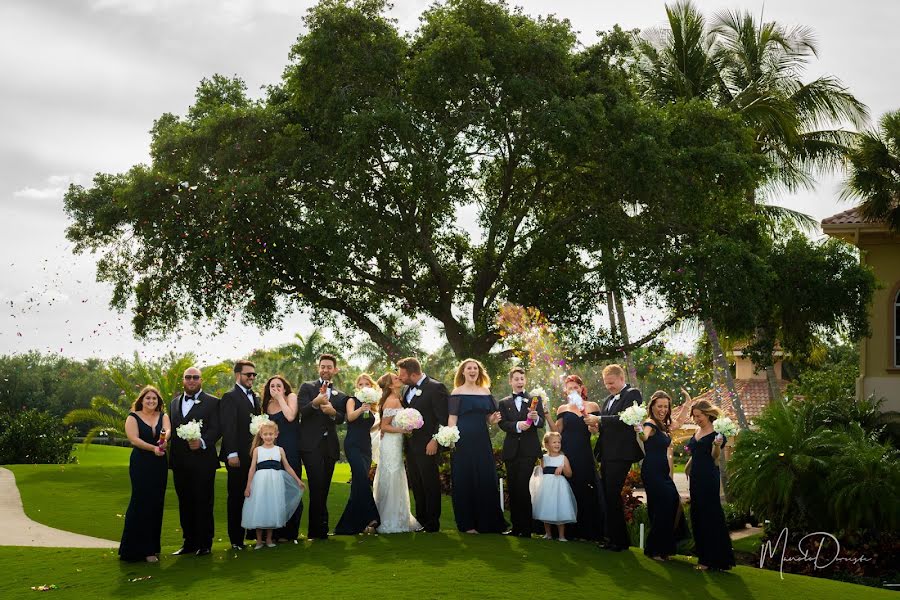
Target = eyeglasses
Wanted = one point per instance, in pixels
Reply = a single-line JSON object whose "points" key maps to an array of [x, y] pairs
{"points": [[194, 377], [249, 374]]}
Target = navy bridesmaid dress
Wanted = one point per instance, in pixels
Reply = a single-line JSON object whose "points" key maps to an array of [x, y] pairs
{"points": [[149, 475], [711, 540], [360, 510], [476, 487], [289, 440], [667, 523], [576, 445]]}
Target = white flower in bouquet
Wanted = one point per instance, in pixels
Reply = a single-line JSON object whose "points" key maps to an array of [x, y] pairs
{"points": [[725, 426], [256, 421], [634, 414], [538, 392], [447, 436], [408, 419], [368, 396], [190, 431]]}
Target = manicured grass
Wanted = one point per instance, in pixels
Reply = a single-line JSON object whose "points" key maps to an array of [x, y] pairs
{"points": [[88, 498]]}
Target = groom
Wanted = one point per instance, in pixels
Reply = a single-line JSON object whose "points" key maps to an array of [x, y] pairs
{"points": [[429, 397]]}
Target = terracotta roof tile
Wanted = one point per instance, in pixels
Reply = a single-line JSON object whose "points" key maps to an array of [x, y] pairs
{"points": [[848, 217], [754, 394]]}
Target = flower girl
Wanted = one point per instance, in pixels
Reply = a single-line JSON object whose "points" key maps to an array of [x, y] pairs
{"points": [[551, 496], [273, 489]]}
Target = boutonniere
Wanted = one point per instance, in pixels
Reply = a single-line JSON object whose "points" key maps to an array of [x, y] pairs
{"points": [[197, 400], [418, 392]]}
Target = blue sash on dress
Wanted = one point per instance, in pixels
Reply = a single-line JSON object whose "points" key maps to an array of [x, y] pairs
{"points": [[269, 464]]}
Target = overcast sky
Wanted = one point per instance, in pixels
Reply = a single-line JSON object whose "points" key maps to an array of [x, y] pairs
{"points": [[83, 81]]}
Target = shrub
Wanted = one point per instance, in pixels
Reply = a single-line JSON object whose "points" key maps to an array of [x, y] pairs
{"points": [[35, 437]]}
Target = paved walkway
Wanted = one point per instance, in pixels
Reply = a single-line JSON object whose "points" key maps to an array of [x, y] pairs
{"points": [[19, 530]]}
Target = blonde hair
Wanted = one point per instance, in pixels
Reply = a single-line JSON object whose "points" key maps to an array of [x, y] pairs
{"points": [[368, 378], [549, 436], [615, 370], [483, 379], [711, 411], [257, 439]]}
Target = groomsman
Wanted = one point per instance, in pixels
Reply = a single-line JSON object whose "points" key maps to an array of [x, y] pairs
{"points": [[321, 410], [617, 449], [237, 407], [521, 449], [194, 463], [429, 397]]}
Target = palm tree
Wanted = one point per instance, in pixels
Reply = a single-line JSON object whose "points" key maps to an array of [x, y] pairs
{"points": [[107, 415], [754, 69], [874, 172], [300, 359], [406, 339]]}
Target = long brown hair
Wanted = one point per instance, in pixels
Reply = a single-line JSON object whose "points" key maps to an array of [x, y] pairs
{"points": [[666, 423], [384, 382], [138, 404], [483, 380], [267, 395], [711, 411], [257, 439]]}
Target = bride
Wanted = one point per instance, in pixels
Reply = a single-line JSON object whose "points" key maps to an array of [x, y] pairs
{"points": [[391, 488]]}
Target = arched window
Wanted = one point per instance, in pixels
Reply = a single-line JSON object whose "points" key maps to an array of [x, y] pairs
{"points": [[896, 361]]}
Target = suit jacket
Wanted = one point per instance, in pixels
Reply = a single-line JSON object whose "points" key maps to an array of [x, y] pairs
{"points": [[432, 403], [314, 424], [235, 413], [618, 441], [520, 445], [180, 455]]}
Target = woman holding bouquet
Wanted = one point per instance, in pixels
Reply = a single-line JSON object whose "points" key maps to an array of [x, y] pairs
{"points": [[576, 445], [667, 524], [149, 475], [476, 488], [361, 513], [280, 403], [391, 487], [711, 539]]}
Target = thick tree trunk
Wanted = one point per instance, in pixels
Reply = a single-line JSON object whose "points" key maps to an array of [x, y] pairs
{"points": [[719, 358], [611, 311], [623, 337], [774, 388]]}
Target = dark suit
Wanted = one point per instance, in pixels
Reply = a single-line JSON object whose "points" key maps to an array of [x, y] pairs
{"points": [[520, 452], [236, 410], [617, 449], [319, 451], [194, 471], [422, 469]]}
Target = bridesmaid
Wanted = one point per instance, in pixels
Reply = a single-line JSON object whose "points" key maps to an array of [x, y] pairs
{"points": [[280, 403], [667, 523], [711, 540], [576, 445], [476, 488], [149, 475], [360, 514]]}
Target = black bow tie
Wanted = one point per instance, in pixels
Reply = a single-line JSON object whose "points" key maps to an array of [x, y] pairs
{"points": [[191, 398], [328, 384], [519, 395]]}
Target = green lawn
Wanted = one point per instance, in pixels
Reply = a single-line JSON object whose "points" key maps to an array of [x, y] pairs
{"points": [[90, 498]]}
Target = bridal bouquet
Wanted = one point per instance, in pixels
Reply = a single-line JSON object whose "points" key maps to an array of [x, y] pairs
{"points": [[368, 396], [256, 421], [634, 414], [408, 419], [725, 426], [536, 394], [190, 431], [447, 436]]}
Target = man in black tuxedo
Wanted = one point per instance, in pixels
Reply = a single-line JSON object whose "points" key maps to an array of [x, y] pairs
{"points": [[322, 408], [429, 397], [521, 449], [616, 449], [237, 407], [194, 463]]}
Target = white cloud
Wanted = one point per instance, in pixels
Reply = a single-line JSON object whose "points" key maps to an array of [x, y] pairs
{"points": [[47, 193]]}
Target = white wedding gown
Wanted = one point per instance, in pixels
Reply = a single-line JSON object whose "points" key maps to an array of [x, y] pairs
{"points": [[390, 487]]}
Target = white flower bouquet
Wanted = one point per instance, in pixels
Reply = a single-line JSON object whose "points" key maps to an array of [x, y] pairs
{"points": [[447, 436], [634, 414], [725, 426], [368, 396], [408, 419], [190, 431], [536, 394], [256, 421]]}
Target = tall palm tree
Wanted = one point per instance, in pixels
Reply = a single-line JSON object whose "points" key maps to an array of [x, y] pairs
{"points": [[406, 340], [874, 172], [300, 359], [755, 69]]}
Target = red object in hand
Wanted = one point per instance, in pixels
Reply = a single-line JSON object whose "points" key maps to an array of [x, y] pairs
{"points": [[532, 408], [162, 440]]}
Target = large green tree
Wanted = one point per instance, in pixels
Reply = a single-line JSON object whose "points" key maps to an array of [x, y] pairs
{"points": [[874, 172]]}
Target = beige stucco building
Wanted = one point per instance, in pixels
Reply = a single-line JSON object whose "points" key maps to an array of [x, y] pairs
{"points": [[879, 367]]}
